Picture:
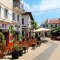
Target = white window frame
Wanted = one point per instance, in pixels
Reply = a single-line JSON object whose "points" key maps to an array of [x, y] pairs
{"points": [[6, 13], [0, 10], [18, 18]]}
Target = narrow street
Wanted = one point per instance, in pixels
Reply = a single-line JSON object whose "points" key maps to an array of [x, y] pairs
{"points": [[47, 51]]}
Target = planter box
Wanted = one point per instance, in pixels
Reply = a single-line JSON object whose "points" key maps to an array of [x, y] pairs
{"points": [[20, 52], [15, 54]]}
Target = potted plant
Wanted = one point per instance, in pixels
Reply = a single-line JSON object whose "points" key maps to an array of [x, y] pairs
{"points": [[20, 50], [2, 39], [2, 49], [2, 45], [20, 37], [15, 53]]}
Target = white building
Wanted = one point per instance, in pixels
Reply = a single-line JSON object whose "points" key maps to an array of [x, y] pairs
{"points": [[10, 17], [26, 24], [51, 23]]}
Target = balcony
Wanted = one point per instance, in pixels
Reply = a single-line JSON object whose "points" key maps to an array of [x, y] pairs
{"points": [[17, 6]]}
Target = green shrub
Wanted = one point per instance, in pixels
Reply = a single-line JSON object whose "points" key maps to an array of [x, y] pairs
{"points": [[2, 38], [21, 36], [15, 47]]}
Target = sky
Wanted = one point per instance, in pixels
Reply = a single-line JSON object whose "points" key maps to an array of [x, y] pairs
{"points": [[42, 9]]}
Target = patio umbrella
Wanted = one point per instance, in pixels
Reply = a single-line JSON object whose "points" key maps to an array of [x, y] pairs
{"points": [[42, 30]]}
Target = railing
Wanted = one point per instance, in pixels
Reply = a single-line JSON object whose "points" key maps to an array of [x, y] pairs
{"points": [[16, 4]]}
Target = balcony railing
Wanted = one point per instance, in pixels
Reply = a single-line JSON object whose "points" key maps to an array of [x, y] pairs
{"points": [[16, 4]]}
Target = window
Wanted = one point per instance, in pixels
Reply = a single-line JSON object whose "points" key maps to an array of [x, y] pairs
{"points": [[55, 25], [46, 25], [5, 26], [13, 16], [6, 13], [43, 25], [2, 25], [51, 26], [0, 10], [23, 33], [16, 3], [22, 20], [17, 17], [14, 0]]}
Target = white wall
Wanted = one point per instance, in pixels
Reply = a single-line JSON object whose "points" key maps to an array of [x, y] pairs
{"points": [[8, 4], [27, 21], [20, 23], [58, 25], [2, 12]]}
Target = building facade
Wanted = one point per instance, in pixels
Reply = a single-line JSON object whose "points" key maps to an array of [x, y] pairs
{"points": [[51, 23], [10, 18], [26, 24]]}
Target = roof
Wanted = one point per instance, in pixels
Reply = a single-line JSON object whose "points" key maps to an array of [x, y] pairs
{"points": [[28, 13], [53, 21]]}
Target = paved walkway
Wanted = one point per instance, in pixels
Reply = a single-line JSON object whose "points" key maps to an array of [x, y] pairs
{"points": [[51, 53], [47, 51]]}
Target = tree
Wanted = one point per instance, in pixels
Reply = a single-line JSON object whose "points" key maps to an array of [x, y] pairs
{"points": [[34, 24], [2, 38], [56, 31]]}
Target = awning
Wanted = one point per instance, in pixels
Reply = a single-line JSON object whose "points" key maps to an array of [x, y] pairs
{"points": [[42, 30]]}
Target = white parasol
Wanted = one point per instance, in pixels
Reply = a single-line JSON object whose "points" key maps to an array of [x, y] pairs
{"points": [[42, 30]]}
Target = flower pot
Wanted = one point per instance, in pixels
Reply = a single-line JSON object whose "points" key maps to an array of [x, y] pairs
{"points": [[15, 54], [20, 52], [1, 55]]}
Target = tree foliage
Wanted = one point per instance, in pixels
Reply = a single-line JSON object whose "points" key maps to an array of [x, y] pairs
{"points": [[34, 24], [2, 38], [56, 31]]}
